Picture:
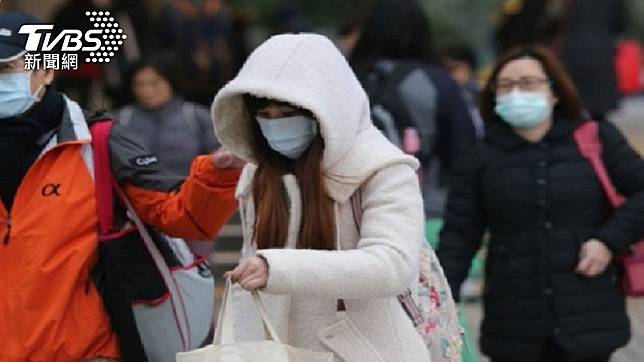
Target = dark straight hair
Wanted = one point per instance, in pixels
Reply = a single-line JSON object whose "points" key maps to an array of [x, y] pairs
{"points": [[395, 30], [563, 87]]}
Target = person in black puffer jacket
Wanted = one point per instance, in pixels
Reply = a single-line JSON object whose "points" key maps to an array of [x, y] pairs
{"points": [[552, 291]]}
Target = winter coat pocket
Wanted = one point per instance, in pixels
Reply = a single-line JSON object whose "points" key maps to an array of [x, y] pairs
{"points": [[345, 340]]}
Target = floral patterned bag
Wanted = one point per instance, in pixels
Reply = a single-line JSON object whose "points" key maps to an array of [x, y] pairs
{"points": [[432, 310]]}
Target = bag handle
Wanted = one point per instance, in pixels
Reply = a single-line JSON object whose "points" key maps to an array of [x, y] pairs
{"points": [[587, 140], [106, 185], [225, 327]]}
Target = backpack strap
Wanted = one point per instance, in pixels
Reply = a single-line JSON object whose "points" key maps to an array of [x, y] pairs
{"points": [[381, 81], [589, 145], [391, 74], [107, 280], [100, 130], [106, 186]]}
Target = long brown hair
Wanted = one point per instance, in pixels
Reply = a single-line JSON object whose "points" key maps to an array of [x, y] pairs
{"points": [[562, 85], [317, 230]]}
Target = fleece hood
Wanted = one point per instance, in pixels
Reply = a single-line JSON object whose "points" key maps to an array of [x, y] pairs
{"points": [[308, 71]]}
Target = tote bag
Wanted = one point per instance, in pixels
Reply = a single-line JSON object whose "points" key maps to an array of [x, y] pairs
{"points": [[225, 349]]}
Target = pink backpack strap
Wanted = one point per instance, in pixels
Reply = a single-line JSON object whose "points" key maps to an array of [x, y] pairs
{"points": [[589, 145], [100, 131]]}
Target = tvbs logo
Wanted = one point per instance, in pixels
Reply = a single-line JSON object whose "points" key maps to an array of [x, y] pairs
{"points": [[72, 40], [101, 42]]}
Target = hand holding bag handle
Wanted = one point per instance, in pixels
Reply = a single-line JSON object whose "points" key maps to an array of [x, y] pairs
{"points": [[225, 327], [225, 349]]}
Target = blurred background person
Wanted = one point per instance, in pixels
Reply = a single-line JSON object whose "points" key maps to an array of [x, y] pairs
{"points": [[241, 23], [200, 31], [461, 61], [348, 35], [174, 129], [551, 291], [587, 45], [525, 22], [409, 90], [288, 17]]}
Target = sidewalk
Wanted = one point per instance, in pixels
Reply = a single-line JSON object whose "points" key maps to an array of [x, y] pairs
{"points": [[630, 119]]}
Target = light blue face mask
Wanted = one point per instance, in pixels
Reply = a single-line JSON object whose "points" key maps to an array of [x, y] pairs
{"points": [[290, 136], [523, 109], [15, 94]]}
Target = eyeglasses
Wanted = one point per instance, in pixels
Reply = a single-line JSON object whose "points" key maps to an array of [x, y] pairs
{"points": [[504, 86]]}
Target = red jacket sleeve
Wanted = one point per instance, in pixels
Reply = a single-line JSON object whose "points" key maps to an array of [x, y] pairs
{"points": [[202, 205], [195, 207]]}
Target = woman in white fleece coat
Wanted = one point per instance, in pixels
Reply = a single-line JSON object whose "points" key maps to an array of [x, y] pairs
{"points": [[299, 116]]}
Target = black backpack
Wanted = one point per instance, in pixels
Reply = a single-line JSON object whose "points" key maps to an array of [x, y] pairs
{"points": [[381, 81]]}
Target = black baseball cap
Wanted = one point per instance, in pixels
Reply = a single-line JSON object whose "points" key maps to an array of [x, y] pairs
{"points": [[12, 44]]}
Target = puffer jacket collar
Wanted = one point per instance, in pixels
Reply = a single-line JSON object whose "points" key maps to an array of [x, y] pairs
{"points": [[500, 134]]}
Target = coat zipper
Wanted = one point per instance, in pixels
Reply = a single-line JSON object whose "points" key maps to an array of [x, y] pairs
{"points": [[7, 221], [12, 346]]}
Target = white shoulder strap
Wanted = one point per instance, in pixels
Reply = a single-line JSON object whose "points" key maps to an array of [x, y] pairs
{"points": [[175, 295]]}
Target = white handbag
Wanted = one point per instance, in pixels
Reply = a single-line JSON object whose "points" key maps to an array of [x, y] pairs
{"points": [[225, 349]]}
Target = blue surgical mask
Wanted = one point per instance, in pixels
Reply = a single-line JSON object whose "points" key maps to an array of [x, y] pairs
{"points": [[15, 94], [290, 136], [523, 109]]}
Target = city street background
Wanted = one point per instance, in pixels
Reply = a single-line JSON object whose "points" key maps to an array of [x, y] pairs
{"points": [[471, 22]]}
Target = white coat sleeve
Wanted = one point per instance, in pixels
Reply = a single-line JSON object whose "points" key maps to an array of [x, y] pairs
{"points": [[386, 259]]}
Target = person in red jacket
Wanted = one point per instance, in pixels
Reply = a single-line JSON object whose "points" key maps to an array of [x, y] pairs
{"points": [[49, 308]]}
